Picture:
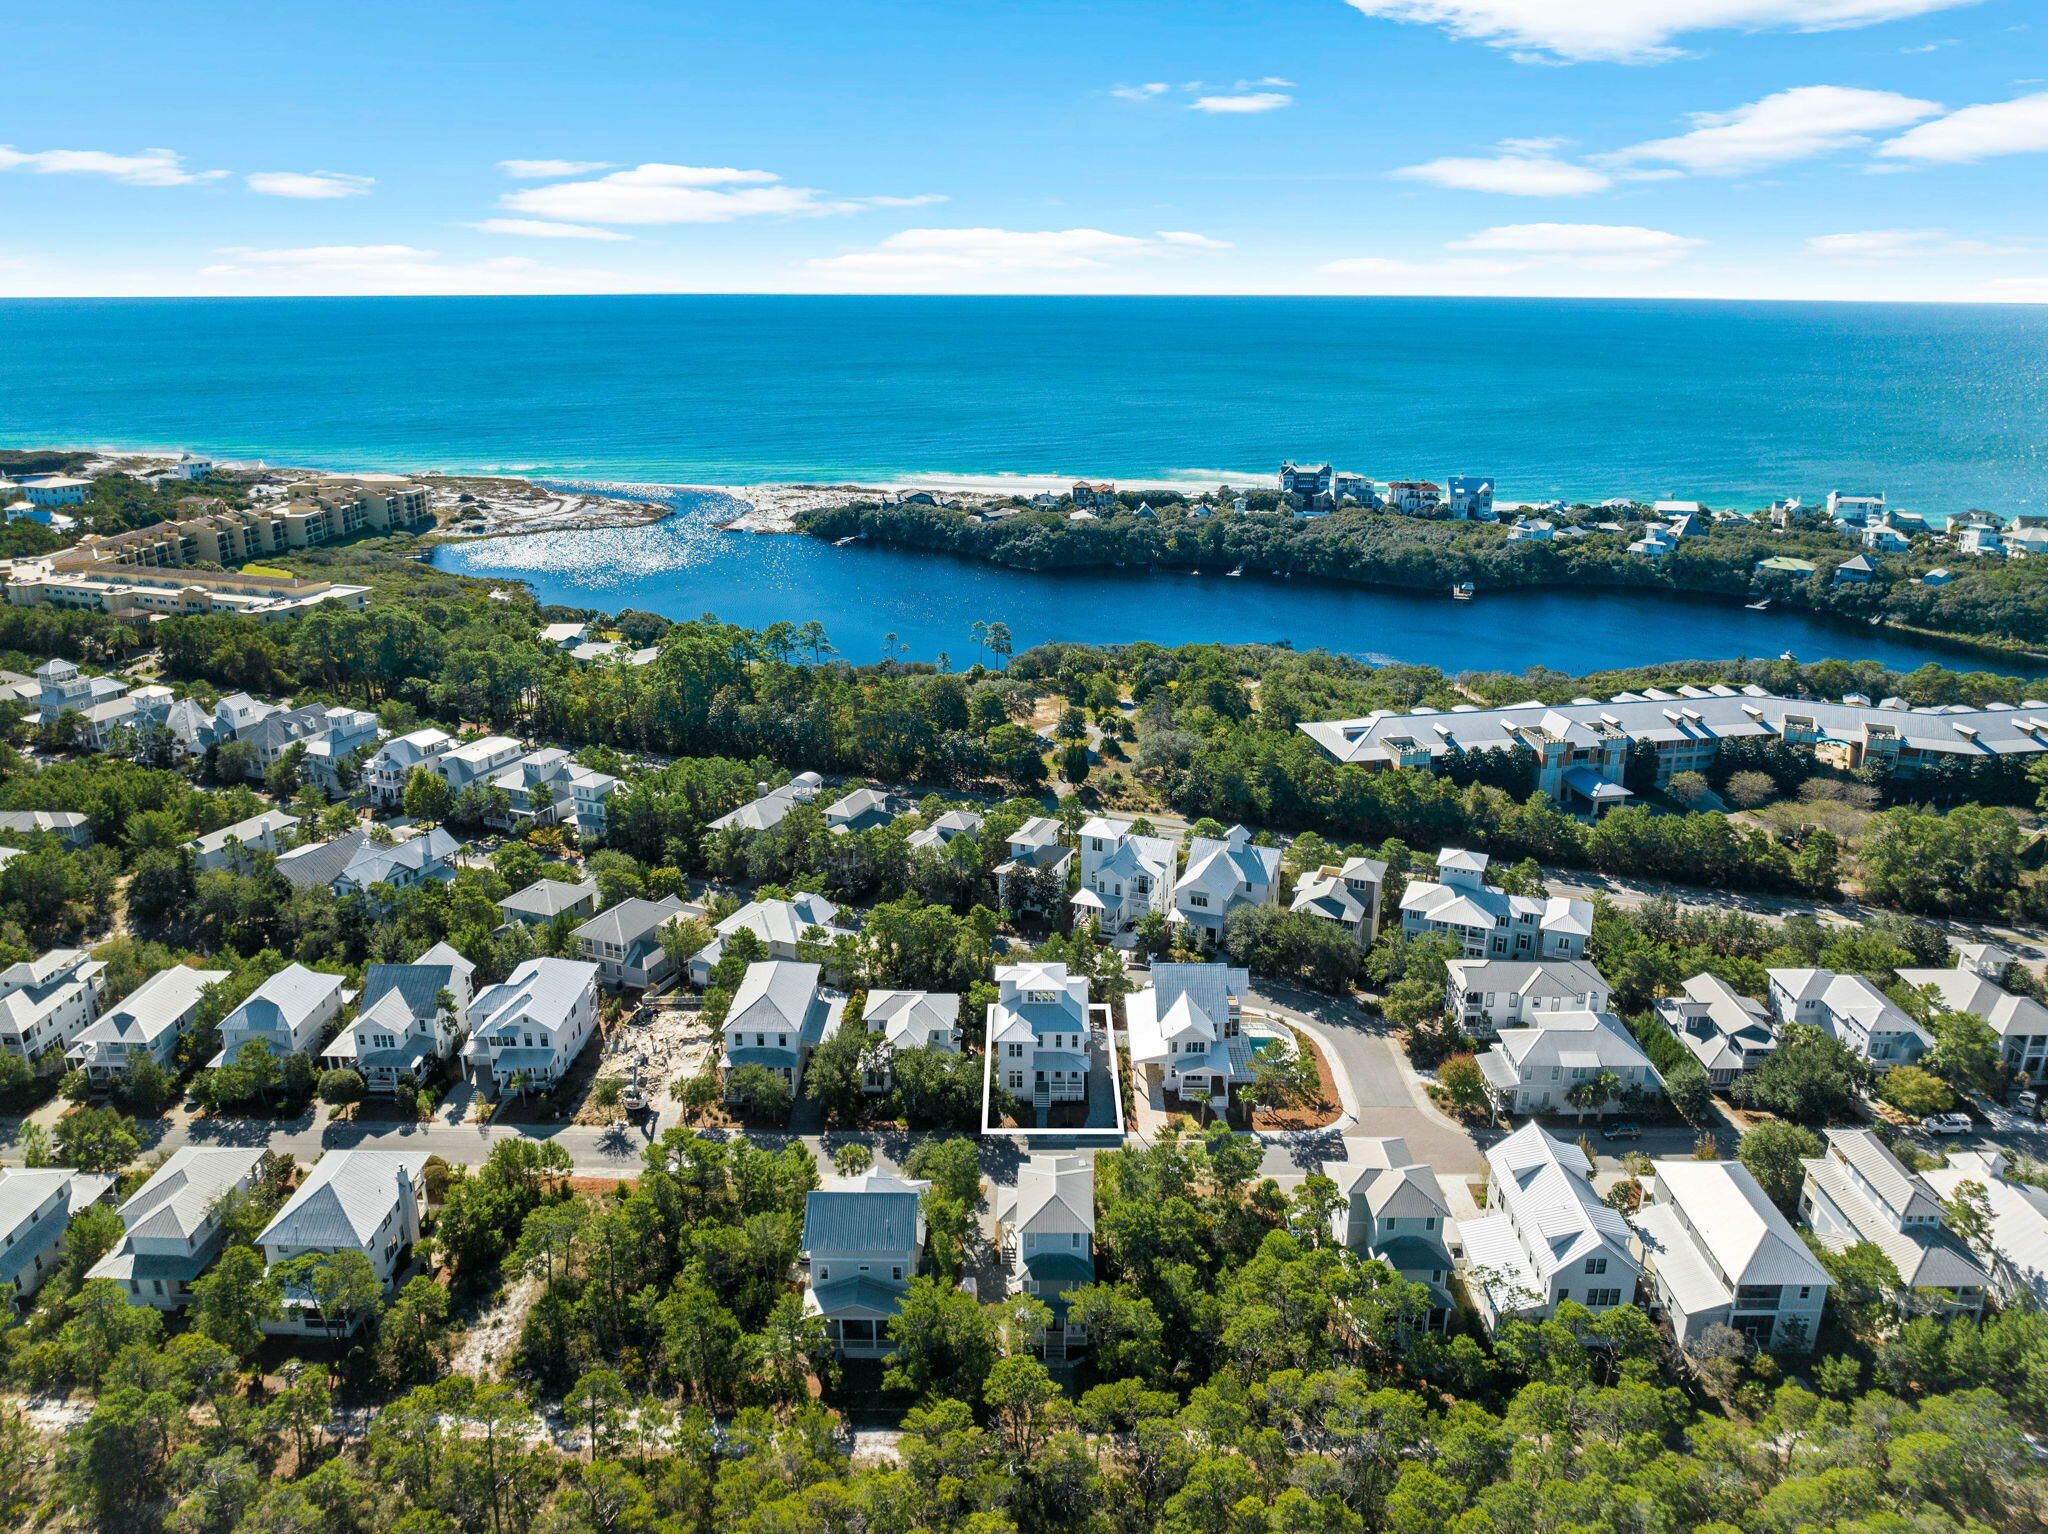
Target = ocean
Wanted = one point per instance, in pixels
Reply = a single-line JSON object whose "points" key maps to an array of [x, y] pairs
{"points": [[1941, 407]]}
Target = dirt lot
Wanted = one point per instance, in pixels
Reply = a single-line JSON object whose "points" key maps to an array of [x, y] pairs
{"points": [[670, 1043]]}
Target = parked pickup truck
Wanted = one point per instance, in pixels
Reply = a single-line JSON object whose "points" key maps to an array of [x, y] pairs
{"points": [[1947, 1124]]}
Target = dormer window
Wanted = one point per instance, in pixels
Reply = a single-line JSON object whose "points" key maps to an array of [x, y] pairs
{"points": [[1039, 998]]}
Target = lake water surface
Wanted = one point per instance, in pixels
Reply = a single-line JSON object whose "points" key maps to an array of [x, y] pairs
{"points": [[686, 566]]}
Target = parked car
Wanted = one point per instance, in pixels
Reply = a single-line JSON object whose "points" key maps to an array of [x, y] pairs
{"points": [[1621, 1129], [1947, 1124]]}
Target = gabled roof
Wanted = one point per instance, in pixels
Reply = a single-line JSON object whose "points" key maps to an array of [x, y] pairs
{"points": [[178, 1199], [781, 921], [1530, 979], [1544, 1182], [245, 831], [345, 1198], [1962, 991], [152, 1006], [23, 1191], [876, 1213], [544, 991], [321, 863], [907, 1018], [285, 1000], [631, 920], [1576, 1039], [548, 898], [780, 995], [1219, 866], [1730, 1215], [1055, 1194], [375, 865]]}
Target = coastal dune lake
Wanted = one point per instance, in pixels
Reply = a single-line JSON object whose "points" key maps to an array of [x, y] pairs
{"points": [[1941, 407], [685, 566]]}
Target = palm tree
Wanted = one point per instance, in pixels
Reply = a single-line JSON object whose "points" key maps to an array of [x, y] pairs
{"points": [[1593, 1093]]}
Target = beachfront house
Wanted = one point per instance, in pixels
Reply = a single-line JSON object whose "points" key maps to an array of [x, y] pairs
{"points": [[1038, 1034], [1655, 543], [767, 811], [1561, 1061], [2020, 1022], [1347, 894], [36, 1206], [1850, 1008], [358, 1200], [1414, 497], [407, 1019], [1859, 1191], [862, 1241], [1726, 1031], [1124, 877], [46, 1003], [231, 846], [145, 1025], [779, 1016], [1045, 1230], [1185, 1030], [1716, 1252], [2015, 1251], [1486, 995], [783, 926], [1487, 921], [289, 1014], [1469, 497], [906, 1021], [1546, 1236], [1222, 874], [1395, 1211], [625, 942], [172, 1224], [529, 1029]]}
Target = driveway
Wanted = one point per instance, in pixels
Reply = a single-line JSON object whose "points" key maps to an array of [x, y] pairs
{"points": [[1388, 1096]]}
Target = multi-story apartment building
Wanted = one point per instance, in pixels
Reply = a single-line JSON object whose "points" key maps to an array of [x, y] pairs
{"points": [[1683, 728]]}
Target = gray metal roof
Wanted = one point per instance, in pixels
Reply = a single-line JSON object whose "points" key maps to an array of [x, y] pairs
{"points": [[860, 1220], [323, 862], [631, 920], [344, 1199], [549, 898], [1703, 714]]}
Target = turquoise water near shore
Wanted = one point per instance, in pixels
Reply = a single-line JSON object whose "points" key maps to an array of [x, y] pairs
{"points": [[1943, 407], [686, 566]]}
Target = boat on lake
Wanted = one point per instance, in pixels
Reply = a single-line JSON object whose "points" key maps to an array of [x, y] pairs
{"points": [[1757, 607], [1464, 591], [1238, 571]]}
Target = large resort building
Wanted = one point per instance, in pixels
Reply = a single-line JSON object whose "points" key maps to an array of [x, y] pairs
{"points": [[129, 574], [1582, 747]]}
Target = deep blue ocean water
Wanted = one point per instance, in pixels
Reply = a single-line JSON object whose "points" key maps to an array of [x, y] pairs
{"points": [[1942, 407]]}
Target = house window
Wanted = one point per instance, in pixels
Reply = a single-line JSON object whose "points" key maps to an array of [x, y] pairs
{"points": [[895, 1272], [1595, 1298], [1201, 902], [1596, 1264]]}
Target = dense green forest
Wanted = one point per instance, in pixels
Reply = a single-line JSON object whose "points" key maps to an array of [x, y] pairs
{"points": [[1991, 599]]}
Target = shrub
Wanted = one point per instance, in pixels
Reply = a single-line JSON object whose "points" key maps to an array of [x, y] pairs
{"points": [[1912, 1090]]}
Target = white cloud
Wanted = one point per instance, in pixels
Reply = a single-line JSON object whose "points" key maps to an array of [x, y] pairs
{"points": [[1633, 31], [399, 269], [547, 170], [656, 193], [953, 256], [542, 229], [1141, 92], [1386, 266], [1899, 244], [1517, 175], [1602, 247], [151, 167], [1256, 101], [1789, 125], [2019, 126], [1254, 85], [318, 184]]}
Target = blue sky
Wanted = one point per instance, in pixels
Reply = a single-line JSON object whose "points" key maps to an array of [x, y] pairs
{"points": [[1887, 149]]}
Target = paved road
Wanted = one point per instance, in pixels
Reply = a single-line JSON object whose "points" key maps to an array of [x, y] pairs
{"points": [[2030, 943]]}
